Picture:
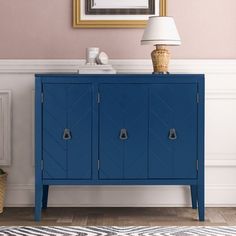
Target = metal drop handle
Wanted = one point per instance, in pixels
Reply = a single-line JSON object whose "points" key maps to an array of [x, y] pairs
{"points": [[123, 134], [172, 134], [67, 134]]}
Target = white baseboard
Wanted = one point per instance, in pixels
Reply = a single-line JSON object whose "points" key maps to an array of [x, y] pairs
{"points": [[121, 196]]}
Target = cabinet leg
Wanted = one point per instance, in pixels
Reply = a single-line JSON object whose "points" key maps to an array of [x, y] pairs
{"points": [[194, 196], [45, 196], [38, 202], [201, 202]]}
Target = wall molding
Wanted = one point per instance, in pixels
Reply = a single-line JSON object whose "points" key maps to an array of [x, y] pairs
{"points": [[32, 127], [208, 67], [221, 163], [5, 127], [221, 94], [121, 65]]}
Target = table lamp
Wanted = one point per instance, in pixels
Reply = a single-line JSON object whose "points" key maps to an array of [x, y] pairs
{"points": [[161, 31]]}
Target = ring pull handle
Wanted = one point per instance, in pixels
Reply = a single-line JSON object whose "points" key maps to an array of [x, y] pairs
{"points": [[67, 134], [123, 134], [172, 134]]}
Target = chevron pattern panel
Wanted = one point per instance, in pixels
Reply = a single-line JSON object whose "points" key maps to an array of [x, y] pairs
{"points": [[54, 120], [173, 106], [79, 112], [123, 106], [67, 107]]}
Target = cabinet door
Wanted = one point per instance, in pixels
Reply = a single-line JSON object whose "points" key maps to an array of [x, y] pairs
{"points": [[67, 118], [173, 131], [123, 131]]}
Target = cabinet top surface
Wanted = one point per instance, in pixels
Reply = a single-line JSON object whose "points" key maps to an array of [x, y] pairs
{"points": [[116, 78]]}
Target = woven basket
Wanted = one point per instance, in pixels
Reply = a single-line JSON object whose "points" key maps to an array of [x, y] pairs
{"points": [[3, 181]]}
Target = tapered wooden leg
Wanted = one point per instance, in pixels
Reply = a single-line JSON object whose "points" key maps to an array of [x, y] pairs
{"points": [[38, 201], [201, 202], [45, 196], [194, 196]]}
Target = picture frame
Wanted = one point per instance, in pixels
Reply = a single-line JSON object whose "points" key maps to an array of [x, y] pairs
{"points": [[127, 7], [84, 16]]}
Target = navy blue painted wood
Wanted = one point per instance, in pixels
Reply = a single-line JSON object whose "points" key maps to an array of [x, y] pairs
{"points": [[67, 107], [120, 182], [193, 189], [45, 196], [201, 151], [142, 130], [123, 107], [38, 150], [173, 107], [79, 155], [54, 122]]}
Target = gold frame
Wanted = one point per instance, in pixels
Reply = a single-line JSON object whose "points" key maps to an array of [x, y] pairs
{"points": [[78, 23], [163, 8]]}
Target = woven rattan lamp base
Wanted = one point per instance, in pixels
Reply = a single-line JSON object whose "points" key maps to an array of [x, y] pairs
{"points": [[160, 60]]}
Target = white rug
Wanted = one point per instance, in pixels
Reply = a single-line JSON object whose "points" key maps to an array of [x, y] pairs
{"points": [[117, 231]]}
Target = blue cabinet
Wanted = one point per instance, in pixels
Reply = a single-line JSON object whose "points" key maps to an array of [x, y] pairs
{"points": [[119, 130]]}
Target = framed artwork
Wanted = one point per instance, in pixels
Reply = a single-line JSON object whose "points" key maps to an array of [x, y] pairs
{"points": [[113, 13]]}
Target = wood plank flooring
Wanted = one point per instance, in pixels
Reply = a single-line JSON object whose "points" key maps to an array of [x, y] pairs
{"points": [[119, 217]]}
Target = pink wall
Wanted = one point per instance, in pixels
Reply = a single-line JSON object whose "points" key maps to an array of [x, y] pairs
{"points": [[42, 29]]}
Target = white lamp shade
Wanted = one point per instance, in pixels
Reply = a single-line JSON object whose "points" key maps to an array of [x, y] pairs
{"points": [[161, 30]]}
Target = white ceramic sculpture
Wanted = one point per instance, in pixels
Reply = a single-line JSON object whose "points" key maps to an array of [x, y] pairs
{"points": [[102, 58], [91, 55]]}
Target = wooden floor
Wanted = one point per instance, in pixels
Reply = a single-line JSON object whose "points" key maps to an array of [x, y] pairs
{"points": [[119, 217]]}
